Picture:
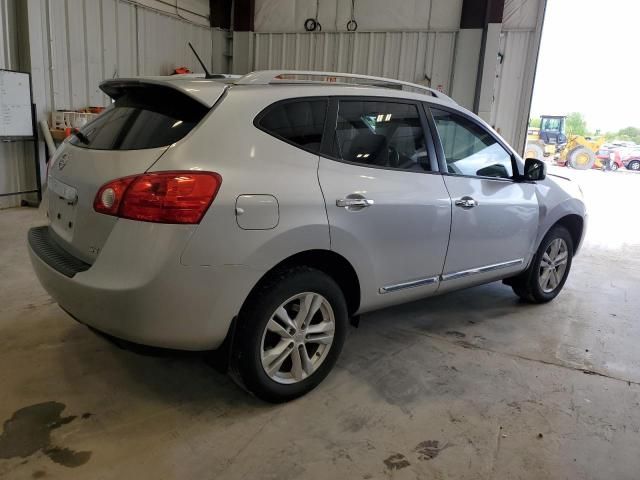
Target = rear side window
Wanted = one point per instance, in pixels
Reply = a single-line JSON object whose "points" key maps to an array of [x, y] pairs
{"points": [[145, 116], [298, 122]]}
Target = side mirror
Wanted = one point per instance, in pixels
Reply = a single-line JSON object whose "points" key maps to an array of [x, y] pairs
{"points": [[534, 170]]}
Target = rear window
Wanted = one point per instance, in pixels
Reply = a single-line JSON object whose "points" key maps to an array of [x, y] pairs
{"points": [[299, 122], [145, 116]]}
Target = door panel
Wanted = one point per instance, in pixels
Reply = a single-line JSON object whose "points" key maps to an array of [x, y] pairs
{"points": [[500, 229], [494, 217], [389, 212], [401, 237]]}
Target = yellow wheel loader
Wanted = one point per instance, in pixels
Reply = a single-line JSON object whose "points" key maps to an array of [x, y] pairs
{"points": [[550, 140]]}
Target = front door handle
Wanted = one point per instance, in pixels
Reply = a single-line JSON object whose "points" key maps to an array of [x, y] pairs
{"points": [[466, 202], [354, 202]]}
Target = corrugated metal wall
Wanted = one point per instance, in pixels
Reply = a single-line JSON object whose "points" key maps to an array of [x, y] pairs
{"points": [[508, 93], [411, 56], [82, 42], [513, 88]]}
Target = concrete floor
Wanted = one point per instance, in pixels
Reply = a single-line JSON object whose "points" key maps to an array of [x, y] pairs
{"points": [[469, 385]]}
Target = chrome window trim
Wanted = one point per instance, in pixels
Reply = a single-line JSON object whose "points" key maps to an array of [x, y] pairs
{"points": [[484, 269], [411, 284]]}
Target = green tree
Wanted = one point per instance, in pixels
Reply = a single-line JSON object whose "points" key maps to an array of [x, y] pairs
{"points": [[534, 122], [631, 134], [576, 124]]}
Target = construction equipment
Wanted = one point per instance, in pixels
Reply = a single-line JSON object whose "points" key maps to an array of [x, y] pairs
{"points": [[547, 140], [580, 152], [576, 151]]}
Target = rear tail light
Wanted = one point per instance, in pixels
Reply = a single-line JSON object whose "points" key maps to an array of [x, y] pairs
{"points": [[161, 197]]}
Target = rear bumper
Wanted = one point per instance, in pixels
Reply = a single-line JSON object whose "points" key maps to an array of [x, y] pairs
{"points": [[138, 290]]}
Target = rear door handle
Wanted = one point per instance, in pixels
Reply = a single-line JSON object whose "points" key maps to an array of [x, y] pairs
{"points": [[466, 202], [354, 202]]}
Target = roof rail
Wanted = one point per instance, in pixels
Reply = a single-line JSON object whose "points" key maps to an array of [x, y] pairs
{"points": [[267, 77]]}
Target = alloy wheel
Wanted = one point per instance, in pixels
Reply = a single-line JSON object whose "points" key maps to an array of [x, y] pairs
{"points": [[553, 265], [297, 338]]}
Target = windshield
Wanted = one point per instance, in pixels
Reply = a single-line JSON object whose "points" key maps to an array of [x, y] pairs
{"points": [[552, 124]]}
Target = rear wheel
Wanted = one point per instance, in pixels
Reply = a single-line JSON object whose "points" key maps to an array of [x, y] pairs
{"points": [[289, 335], [634, 165], [548, 272], [534, 150], [614, 166], [581, 158]]}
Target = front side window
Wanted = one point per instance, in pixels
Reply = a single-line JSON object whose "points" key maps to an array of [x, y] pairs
{"points": [[381, 134], [299, 122], [469, 149]]}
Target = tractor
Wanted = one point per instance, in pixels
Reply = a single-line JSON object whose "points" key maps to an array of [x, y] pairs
{"points": [[576, 151]]}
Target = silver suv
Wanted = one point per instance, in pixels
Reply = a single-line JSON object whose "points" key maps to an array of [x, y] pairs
{"points": [[255, 216]]}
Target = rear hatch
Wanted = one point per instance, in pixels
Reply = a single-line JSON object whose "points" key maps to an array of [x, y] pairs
{"points": [[145, 119]]}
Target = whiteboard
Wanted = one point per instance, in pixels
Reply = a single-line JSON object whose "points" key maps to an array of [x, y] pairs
{"points": [[15, 105]]}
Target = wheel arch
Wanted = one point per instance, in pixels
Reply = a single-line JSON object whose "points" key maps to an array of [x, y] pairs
{"points": [[328, 262], [574, 223]]}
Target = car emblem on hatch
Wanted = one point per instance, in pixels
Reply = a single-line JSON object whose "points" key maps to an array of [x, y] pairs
{"points": [[63, 161]]}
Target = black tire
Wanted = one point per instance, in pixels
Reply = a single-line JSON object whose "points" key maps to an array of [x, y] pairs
{"points": [[581, 158], [634, 165], [527, 285], [246, 364], [534, 150]]}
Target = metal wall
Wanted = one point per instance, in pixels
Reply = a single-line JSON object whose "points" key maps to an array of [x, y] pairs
{"points": [[277, 16], [412, 56], [515, 76], [75, 44]]}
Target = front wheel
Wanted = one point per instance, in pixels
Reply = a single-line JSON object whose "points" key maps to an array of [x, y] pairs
{"points": [[548, 272], [289, 335], [581, 158]]}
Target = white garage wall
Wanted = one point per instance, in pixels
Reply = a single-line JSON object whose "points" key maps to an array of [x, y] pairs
{"points": [[196, 11], [519, 46], [372, 15], [411, 40], [75, 44], [412, 56]]}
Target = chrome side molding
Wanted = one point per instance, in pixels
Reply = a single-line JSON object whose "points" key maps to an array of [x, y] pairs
{"points": [[485, 269], [449, 276], [414, 283]]}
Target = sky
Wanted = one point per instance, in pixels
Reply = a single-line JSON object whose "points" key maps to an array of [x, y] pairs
{"points": [[590, 62]]}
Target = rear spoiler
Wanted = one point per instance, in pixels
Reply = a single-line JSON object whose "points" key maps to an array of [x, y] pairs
{"points": [[206, 92]]}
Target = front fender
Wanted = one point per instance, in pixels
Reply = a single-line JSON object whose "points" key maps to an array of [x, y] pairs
{"points": [[558, 197]]}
